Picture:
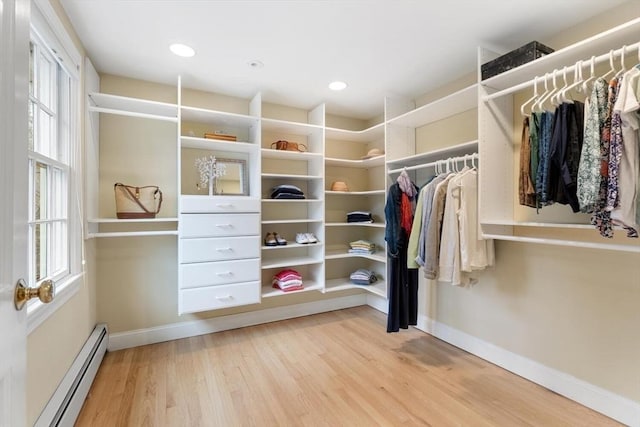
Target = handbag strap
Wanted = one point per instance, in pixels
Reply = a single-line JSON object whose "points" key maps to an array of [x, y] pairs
{"points": [[136, 196]]}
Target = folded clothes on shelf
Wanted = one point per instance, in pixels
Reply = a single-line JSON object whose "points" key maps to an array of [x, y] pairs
{"points": [[287, 280], [362, 247], [362, 276], [287, 191], [359, 216]]}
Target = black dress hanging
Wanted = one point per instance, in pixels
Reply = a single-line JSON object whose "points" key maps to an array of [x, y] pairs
{"points": [[402, 281]]}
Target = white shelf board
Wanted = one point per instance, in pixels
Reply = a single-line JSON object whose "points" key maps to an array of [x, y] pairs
{"points": [[128, 221], [268, 153], [541, 224], [379, 288], [356, 193], [362, 164], [291, 262], [309, 285], [355, 224], [290, 245], [133, 234], [217, 145], [457, 102], [431, 156], [290, 221], [598, 44], [291, 201], [570, 243], [288, 127], [340, 254], [367, 135], [123, 105], [288, 176], [195, 114]]}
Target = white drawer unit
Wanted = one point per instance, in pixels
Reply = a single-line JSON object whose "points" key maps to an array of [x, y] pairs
{"points": [[219, 273], [217, 297], [219, 225], [219, 248], [219, 253], [198, 204]]}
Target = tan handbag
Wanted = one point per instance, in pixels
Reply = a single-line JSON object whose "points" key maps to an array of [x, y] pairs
{"points": [[137, 202], [289, 146]]}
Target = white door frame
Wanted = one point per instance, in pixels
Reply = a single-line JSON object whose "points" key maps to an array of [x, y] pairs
{"points": [[14, 87]]}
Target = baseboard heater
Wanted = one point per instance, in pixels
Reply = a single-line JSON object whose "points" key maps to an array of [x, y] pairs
{"points": [[65, 404]]}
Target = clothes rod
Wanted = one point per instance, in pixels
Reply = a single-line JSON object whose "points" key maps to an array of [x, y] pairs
{"points": [[442, 162], [548, 76]]}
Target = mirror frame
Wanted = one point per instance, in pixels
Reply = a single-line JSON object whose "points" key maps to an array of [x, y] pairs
{"points": [[244, 176]]}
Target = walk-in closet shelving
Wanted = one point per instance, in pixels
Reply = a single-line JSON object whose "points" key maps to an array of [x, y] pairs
{"points": [[355, 159], [219, 233], [124, 120], [289, 219], [500, 123]]}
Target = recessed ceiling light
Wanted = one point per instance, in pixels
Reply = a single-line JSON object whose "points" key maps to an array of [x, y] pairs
{"points": [[337, 85], [255, 64], [182, 50]]}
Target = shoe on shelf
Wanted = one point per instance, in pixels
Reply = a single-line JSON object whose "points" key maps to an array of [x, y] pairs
{"points": [[280, 241], [302, 238], [269, 240], [311, 238]]}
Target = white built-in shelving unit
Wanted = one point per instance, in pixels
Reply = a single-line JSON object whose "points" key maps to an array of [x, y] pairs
{"points": [[346, 160]]}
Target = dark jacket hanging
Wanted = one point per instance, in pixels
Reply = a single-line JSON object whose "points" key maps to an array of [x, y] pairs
{"points": [[402, 282]]}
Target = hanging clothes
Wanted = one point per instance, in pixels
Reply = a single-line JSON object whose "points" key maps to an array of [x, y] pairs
{"points": [[564, 153], [542, 174], [601, 218], [589, 166], [402, 282], [625, 211], [526, 190]]}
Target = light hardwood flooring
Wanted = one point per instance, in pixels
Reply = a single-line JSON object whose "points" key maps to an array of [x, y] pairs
{"points": [[332, 369]]}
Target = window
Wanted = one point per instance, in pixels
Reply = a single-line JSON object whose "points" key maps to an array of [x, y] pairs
{"points": [[54, 214], [49, 168]]}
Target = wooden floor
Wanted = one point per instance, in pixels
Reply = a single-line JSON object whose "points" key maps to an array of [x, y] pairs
{"points": [[331, 369]]}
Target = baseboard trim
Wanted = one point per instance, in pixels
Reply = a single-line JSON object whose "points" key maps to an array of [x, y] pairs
{"points": [[607, 403], [174, 331]]}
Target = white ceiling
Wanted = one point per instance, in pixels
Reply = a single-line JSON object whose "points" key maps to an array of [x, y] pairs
{"points": [[379, 47]]}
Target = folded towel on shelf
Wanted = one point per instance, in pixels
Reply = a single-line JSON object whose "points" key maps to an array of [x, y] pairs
{"points": [[287, 280], [362, 247], [359, 216], [362, 276], [287, 191]]}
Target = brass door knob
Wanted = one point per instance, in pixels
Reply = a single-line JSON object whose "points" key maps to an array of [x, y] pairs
{"points": [[46, 292]]}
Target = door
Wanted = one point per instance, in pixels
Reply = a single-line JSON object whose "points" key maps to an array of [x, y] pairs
{"points": [[14, 46]]}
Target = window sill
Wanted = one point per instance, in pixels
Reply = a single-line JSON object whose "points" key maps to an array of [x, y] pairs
{"points": [[37, 312]]}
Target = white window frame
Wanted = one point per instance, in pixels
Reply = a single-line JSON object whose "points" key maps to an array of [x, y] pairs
{"points": [[46, 24]]}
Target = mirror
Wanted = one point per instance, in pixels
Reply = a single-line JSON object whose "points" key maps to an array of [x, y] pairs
{"points": [[198, 166], [233, 181]]}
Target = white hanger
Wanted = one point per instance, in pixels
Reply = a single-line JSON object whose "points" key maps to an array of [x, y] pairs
{"points": [[622, 64], [537, 107], [551, 92], [612, 71], [557, 99], [533, 98], [592, 76], [577, 82]]}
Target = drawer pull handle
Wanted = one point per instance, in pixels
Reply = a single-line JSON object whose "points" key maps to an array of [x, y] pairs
{"points": [[224, 298], [224, 249], [225, 273], [225, 205], [223, 225]]}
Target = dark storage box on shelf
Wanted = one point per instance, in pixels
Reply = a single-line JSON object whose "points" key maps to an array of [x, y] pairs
{"points": [[527, 53]]}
